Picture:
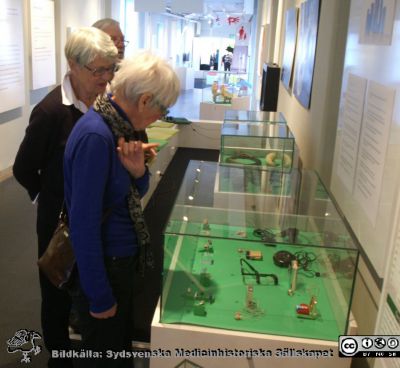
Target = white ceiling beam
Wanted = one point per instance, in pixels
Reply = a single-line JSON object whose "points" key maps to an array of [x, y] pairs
{"points": [[185, 6]]}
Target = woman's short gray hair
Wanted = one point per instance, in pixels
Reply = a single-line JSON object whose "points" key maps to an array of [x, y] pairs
{"points": [[85, 44], [146, 73]]}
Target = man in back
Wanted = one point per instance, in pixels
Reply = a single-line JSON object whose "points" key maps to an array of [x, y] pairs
{"points": [[113, 29]]}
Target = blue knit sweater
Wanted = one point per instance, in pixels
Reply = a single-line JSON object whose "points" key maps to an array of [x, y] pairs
{"points": [[94, 181]]}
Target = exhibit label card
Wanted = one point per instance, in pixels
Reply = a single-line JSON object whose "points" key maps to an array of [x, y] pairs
{"points": [[350, 135], [12, 79], [376, 124], [43, 45]]}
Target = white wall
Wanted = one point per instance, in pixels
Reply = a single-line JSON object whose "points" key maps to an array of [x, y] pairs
{"points": [[73, 13], [315, 129], [374, 62], [12, 123]]}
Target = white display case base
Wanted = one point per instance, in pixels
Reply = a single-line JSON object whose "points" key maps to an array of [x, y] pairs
{"points": [[198, 345], [213, 111]]}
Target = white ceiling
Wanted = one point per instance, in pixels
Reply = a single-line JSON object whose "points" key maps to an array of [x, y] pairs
{"points": [[228, 6], [216, 8]]}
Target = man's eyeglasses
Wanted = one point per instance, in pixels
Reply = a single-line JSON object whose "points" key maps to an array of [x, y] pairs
{"points": [[98, 72], [119, 41]]}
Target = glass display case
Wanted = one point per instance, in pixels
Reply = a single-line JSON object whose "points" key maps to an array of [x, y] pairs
{"points": [[269, 145], [254, 116], [221, 87], [285, 271], [254, 189]]}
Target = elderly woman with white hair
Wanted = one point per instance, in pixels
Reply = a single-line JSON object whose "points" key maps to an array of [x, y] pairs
{"points": [[38, 166], [105, 177]]}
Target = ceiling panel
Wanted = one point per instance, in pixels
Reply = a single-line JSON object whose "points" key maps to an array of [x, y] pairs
{"points": [[216, 7]]}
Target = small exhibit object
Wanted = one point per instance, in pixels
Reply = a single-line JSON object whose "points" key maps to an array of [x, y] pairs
{"points": [[199, 308], [255, 255], [303, 309], [206, 225], [308, 310], [283, 258], [208, 247], [250, 303], [274, 159], [241, 233], [205, 278], [293, 279]]}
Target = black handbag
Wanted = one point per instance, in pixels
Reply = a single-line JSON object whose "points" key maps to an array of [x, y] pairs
{"points": [[58, 260]]}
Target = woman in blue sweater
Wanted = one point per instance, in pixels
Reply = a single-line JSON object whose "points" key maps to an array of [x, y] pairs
{"points": [[105, 176]]}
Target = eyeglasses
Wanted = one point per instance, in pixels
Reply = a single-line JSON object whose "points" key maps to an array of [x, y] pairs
{"points": [[98, 72], [119, 41], [163, 110]]}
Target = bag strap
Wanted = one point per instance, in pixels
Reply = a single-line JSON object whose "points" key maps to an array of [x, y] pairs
{"points": [[63, 216]]}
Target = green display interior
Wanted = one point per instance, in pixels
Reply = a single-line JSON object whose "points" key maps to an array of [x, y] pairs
{"points": [[278, 162], [161, 133], [213, 270]]}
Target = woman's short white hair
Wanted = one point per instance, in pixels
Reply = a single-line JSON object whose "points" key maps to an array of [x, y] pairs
{"points": [[146, 73], [85, 44]]}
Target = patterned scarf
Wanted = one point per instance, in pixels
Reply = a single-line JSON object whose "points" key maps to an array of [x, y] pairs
{"points": [[123, 128]]}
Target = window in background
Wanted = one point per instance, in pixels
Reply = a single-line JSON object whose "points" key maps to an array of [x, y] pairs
{"points": [[132, 27]]}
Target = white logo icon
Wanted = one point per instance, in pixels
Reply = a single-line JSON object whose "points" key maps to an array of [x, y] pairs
{"points": [[24, 341], [380, 342], [392, 343], [348, 346], [366, 342]]}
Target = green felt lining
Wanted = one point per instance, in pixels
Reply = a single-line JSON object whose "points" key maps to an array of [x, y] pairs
{"points": [[217, 273]]}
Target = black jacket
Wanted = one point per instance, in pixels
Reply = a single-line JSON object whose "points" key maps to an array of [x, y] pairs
{"points": [[38, 165]]}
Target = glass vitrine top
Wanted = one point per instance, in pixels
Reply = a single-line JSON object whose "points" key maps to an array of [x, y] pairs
{"points": [[217, 200], [265, 116], [256, 129]]}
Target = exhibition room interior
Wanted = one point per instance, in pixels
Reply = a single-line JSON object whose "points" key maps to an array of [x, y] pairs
{"points": [[273, 203]]}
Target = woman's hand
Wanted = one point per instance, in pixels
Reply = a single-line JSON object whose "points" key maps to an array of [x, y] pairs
{"points": [[149, 150], [132, 154], [106, 314]]}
